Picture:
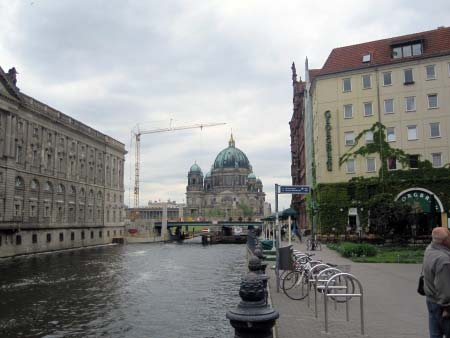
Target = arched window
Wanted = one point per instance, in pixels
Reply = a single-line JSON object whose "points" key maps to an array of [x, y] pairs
{"points": [[82, 192], [34, 185], [91, 193], [48, 186], [19, 182], [73, 190], [60, 189], [99, 195]]}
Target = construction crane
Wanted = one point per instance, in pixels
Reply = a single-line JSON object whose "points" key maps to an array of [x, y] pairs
{"points": [[137, 135]]}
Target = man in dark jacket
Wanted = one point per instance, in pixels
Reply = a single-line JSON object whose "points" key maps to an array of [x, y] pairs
{"points": [[436, 271]]}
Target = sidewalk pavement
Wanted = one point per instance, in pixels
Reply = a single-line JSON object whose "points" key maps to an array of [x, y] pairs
{"points": [[392, 306]]}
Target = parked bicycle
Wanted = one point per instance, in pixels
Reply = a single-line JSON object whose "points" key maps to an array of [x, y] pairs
{"points": [[313, 244]]}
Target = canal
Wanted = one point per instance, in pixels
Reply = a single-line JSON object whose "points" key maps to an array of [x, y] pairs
{"points": [[142, 291]]}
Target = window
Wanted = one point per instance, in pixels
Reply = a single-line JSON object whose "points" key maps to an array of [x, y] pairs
{"points": [[82, 235], [369, 137], [417, 49], [408, 75], [370, 164], [46, 210], [387, 79], [72, 236], [389, 106], [347, 85], [390, 134], [412, 133], [33, 209], [413, 161], [114, 232], [61, 237], [430, 72], [410, 103], [407, 50], [350, 164], [367, 81], [348, 111], [92, 234], [34, 238], [60, 189], [100, 234], [107, 233], [34, 185], [368, 111], [17, 209], [47, 186], [49, 238], [18, 240], [19, 182], [392, 163], [435, 130], [432, 101], [436, 160], [349, 138]]}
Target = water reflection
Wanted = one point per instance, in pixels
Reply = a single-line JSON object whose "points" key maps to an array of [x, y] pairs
{"points": [[140, 291]]}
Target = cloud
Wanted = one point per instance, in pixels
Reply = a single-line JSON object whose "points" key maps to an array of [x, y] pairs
{"points": [[114, 63]]}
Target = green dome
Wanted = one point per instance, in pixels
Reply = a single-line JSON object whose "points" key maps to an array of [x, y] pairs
{"points": [[258, 181], [231, 157], [195, 168], [251, 176], [208, 174]]}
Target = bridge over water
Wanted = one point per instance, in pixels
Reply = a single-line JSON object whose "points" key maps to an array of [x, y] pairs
{"points": [[211, 232]]}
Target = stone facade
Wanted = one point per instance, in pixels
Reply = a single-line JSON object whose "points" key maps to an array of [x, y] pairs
{"points": [[298, 164], [61, 182], [230, 191]]}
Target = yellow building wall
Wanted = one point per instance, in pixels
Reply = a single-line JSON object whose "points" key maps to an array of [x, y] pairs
{"points": [[328, 95]]}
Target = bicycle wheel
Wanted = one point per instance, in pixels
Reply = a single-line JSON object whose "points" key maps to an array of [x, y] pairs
{"points": [[342, 285], [296, 285]]}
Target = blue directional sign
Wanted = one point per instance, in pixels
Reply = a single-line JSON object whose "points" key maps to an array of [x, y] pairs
{"points": [[295, 189]]}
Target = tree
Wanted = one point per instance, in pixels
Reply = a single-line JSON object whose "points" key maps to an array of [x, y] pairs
{"points": [[246, 210], [388, 216]]}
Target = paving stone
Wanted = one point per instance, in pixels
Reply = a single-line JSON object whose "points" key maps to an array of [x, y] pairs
{"points": [[392, 306]]}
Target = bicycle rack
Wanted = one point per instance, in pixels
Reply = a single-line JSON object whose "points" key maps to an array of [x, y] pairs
{"points": [[312, 277], [360, 295], [320, 284]]}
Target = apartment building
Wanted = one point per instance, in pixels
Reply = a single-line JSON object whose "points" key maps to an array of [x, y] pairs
{"points": [[402, 82]]}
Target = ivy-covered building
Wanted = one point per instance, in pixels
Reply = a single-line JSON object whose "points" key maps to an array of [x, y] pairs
{"points": [[230, 190], [373, 111]]}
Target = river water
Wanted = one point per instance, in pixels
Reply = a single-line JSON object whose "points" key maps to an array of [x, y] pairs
{"points": [[142, 291]]}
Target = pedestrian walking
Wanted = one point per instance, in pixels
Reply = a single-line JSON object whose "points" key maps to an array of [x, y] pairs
{"points": [[296, 231], [436, 272]]}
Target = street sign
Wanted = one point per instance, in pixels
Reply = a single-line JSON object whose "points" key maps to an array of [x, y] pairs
{"points": [[295, 189]]}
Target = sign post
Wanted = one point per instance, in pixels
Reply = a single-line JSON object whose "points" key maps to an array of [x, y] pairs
{"points": [[285, 189]]}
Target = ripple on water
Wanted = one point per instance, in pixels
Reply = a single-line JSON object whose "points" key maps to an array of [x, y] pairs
{"points": [[155, 290]]}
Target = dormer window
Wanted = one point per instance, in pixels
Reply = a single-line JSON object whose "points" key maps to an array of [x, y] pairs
{"points": [[407, 50]]}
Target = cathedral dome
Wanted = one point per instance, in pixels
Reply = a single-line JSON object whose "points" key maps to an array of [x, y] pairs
{"points": [[251, 176], [195, 168], [231, 157]]}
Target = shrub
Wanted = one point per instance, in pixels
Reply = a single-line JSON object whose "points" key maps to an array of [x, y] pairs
{"points": [[356, 250]]}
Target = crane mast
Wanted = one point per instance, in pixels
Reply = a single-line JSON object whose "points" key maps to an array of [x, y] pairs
{"points": [[138, 135]]}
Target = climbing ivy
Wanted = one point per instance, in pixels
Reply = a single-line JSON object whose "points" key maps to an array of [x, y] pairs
{"points": [[379, 146]]}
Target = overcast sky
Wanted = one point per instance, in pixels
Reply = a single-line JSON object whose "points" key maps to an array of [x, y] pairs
{"points": [[114, 64]]}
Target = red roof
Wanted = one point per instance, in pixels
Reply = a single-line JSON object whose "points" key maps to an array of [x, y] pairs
{"points": [[435, 42]]}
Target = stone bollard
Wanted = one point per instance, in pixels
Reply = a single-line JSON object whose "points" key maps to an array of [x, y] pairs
{"points": [[255, 266], [253, 317]]}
